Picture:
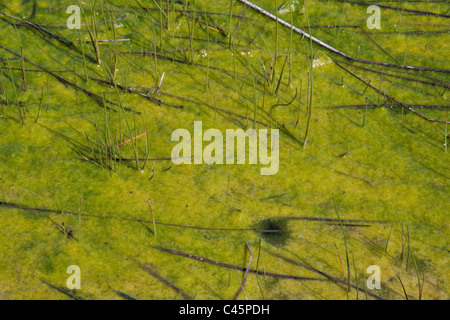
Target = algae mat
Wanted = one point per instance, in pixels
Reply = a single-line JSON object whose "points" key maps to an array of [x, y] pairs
{"points": [[87, 178]]}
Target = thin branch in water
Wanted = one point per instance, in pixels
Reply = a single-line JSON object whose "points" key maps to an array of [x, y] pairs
{"points": [[92, 95], [241, 288], [362, 179], [332, 49], [157, 101], [423, 13], [234, 267], [390, 97], [362, 106], [322, 273], [124, 295], [45, 210], [166, 282]]}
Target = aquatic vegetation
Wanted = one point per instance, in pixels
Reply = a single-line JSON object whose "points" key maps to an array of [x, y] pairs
{"points": [[87, 177]]}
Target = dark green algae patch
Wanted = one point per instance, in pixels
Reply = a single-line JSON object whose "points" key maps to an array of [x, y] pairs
{"points": [[274, 231], [383, 169]]}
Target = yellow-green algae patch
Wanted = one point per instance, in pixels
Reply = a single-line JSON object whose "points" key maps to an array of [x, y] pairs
{"points": [[386, 167]]}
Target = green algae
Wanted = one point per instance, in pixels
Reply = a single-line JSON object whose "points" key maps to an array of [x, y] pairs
{"points": [[43, 164]]}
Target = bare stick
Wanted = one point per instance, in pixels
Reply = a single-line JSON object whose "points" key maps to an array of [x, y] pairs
{"points": [[94, 96], [330, 48], [230, 266], [166, 282], [389, 97], [241, 288], [424, 13], [46, 210], [322, 273], [286, 24], [354, 177]]}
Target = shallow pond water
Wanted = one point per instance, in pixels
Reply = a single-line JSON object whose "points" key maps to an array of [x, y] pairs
{"points": [[86, 176]]}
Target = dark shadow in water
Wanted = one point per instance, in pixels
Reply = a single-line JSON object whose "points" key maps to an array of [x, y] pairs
{"points": [[276, 231]]}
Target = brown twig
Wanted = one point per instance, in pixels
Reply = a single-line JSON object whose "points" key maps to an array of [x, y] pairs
{"points": [[166, 282], [354, 177], [389, 97], [92, 95], [234, 267], [323, 274], [241, 288]]}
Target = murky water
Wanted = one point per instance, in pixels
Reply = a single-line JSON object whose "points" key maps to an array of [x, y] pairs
{"points": [[383, 166]]}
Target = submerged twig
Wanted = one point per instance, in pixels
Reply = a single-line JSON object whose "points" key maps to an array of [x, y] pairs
{"points": [[157, 101], [332, 49], [241, 288], [354, 177], [390, 97], [92, 95], [166, 282], [234, 267], [323, 274], [20, 207]]}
